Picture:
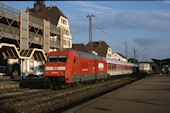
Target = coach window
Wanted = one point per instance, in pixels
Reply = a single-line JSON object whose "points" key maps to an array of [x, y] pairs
{"points": [[114, 66], [109, 66]]}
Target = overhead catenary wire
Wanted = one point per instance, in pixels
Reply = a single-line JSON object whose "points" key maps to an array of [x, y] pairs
{"points": [[97, 27], [104, 33], [19, 7], [83, 18]]}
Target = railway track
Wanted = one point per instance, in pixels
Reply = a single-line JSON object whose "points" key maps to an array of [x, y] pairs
{"points": [[47, 100]]}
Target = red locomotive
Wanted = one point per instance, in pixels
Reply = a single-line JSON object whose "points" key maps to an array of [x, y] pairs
{"points": [[66, 67]]}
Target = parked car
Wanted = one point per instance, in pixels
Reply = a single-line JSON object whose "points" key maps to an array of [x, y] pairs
{"points": [[38, 73], [2, 74]]}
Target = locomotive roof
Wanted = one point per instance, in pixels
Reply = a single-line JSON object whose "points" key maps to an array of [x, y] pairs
{"points": [[88, 55], [119, 62], [80, 53]]}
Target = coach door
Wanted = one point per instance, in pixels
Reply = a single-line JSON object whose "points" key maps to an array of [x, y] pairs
{"points": [[76, 66]]}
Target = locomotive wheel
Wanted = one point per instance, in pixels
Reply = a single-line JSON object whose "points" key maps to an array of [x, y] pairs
{"points": [[55, 84], [52, 86], [47, 82]]}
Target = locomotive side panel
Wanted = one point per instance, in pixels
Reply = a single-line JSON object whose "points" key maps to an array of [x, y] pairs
{"points": [[101, 69], [84, 72], [89, 69]]}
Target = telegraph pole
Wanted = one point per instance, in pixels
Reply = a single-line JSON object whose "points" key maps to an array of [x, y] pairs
{"points": [[125, 49], [90, 27], [134, 60]]}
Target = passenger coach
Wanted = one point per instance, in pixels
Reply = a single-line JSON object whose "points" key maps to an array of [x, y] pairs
{"points": [[116, 67]]}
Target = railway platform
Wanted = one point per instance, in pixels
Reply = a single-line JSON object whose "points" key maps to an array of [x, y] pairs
{"points": [[30, 82], [148, 95], [7, 83]]}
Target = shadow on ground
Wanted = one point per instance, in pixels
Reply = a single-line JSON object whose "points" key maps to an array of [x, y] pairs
{"points": [[33, 83]]}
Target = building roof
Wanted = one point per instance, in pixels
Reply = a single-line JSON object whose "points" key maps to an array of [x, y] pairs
{"points": [[120, 55], [80, 47], [162, 61], [51, 14], [99, 47]]}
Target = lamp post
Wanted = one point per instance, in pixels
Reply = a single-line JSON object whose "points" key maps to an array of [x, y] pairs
{"points": [[160, 67], [125, 49]]}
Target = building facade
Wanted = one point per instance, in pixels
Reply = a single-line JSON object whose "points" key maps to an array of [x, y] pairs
{"points": [[58, 21], [118, 56], [63, 24]]}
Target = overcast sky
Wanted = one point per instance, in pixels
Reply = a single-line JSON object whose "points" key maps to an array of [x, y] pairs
{"points": [[143, 25]]}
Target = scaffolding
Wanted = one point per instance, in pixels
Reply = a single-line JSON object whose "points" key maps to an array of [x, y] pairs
{"points": [[24, 30]]}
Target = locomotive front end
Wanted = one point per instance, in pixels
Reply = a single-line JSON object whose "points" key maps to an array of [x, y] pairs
{"points": [[56, 66], [55, 70]]}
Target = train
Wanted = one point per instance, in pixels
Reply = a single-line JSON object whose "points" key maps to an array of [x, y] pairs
{"points": [[145, 67], [72, 66]]}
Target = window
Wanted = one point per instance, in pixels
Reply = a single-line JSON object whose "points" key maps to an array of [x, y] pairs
{"points": [[57, 59], [109, 49], [67, 32], [114, 66], [66, 43], [109, 55], [63, 21], [69, 43]]}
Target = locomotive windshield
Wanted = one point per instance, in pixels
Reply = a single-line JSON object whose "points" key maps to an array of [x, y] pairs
{"points": [[57, 58]]}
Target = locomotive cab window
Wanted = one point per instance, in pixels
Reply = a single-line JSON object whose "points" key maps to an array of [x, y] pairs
{"points": [[57, 59]]}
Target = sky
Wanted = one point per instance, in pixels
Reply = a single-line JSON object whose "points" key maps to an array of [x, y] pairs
{"points": [[143, 25]]}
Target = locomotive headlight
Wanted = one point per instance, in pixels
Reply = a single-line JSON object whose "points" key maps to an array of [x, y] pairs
{"points": [[48, 72]]}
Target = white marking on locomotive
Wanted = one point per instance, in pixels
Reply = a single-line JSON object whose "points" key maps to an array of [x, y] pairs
{"points": [[61, 67], [84, 69], [100, 65], [49, 68]]}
